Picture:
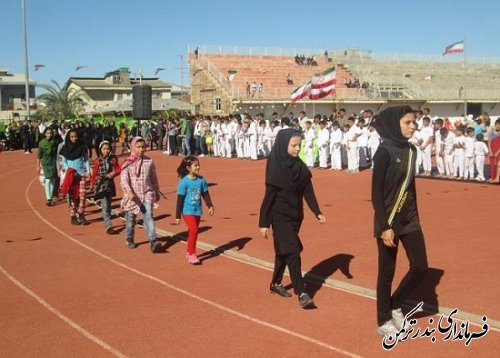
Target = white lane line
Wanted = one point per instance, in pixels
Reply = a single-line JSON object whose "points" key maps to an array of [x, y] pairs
{"points": [[187, 293], [62, 317]]}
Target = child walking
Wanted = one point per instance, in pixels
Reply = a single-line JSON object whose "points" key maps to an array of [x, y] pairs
{"points": [[192, 187], [141, 191], [47, 160], [76, 166], [396, 215], [104, 170], [288, 182]]}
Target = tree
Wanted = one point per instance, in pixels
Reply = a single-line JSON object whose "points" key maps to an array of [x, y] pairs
{"points": [[61, 102]]}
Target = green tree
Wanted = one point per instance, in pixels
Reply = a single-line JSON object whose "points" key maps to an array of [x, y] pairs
{"points": [[61, 102]]}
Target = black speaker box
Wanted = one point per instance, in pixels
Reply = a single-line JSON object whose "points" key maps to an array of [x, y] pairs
{"points": [[142, 101]]}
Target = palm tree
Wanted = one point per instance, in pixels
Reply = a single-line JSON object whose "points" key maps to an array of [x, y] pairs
{"points": [[62, 102]]}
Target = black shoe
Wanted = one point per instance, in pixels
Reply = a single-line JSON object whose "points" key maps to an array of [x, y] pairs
{"points": [[155, 246], [49, 202], [82, 220], [305, 301], [74, 220], [277, 289], [131, 245], [109, 230]]}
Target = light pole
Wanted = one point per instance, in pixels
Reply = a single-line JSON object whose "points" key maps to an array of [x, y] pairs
{"points": [[26, 68]]}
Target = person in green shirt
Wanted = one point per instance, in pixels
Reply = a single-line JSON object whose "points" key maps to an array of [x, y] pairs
{"points": [[47, 159], [185, 135]]}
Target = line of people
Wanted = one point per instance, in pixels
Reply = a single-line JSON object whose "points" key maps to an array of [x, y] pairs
{"points": [[67, 169]]}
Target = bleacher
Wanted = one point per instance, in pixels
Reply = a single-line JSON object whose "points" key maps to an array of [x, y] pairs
{"points": [[388, 78], [271, 71]]}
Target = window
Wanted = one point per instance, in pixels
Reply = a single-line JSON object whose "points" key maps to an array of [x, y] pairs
{"points": [[218, 104]]}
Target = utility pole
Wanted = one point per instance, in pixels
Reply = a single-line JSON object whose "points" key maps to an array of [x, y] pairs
{"points": [[26, 68]]}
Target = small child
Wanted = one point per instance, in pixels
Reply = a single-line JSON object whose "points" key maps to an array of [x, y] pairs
{"points": [[323, 145], [104, 170], [309, 138], [480, 153], [335, 150], [192, 187], [459, 160], [469, 154], [209, 141]]}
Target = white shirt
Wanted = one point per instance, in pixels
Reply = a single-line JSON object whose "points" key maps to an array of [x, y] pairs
{"points": [[363, 138], [352, 133], [480, 149], [323, 137], [373, 139], [309, 135], [469, 147], [448, 142]]}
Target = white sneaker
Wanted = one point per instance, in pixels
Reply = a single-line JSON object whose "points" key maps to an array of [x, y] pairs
{"points": [[166, 152], [398, 318], [388, 329], [201, 155]]}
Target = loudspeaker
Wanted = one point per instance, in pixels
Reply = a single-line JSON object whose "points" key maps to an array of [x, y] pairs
{"points": [[142, 101]]}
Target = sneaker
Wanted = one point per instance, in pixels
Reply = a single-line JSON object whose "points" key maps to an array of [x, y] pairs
{"points": [[109, 230], [398, 318], [74, 220], [49, 202], [155, 246], [193, 259], [277, 289], [305, 301], [131, 244], [82, 220], [388, 329]]}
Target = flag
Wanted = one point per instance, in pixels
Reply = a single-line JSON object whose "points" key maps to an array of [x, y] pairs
{"points": [[158, 71], [79, 68], [323, 84], [301, 92], [457, 47], [37, 67]]}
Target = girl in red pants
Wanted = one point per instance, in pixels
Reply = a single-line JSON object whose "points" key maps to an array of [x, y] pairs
{"points": [[192, 187]]}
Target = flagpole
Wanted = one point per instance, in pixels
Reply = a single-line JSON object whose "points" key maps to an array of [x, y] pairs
{"points": [[465, 81], [26, 68]]}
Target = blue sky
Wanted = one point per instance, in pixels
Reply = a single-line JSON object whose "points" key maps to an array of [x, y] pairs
{"points": [[146, 34]]}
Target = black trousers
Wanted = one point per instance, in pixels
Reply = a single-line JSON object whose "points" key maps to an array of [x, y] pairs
{"points": [[414, 246], [294, 264]]}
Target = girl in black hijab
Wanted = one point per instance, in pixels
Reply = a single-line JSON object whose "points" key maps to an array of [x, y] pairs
{"points": [[396, 214], [288, 182]]}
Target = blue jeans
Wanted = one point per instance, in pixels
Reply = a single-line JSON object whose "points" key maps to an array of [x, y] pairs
{"points": [[148, 222], [106, 211], [185, 146]]}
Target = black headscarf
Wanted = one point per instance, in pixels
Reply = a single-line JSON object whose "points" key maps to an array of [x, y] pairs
{"points": [[284, 171], [388, 127], [72, 150]]}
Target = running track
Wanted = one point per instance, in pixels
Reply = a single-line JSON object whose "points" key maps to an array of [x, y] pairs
{"points": [[74, 291]]}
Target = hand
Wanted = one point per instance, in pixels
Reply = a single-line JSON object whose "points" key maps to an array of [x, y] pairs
{"points": [[321, 218], [211, 211], [264, 231], [388, 238], [130, 195], [176, 222], [110, 175]]}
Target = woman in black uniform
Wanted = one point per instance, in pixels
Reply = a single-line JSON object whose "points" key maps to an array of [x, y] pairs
{"points": [[288, 182], [396, 214]]}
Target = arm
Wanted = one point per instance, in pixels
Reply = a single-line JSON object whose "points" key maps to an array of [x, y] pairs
{"points": [[381, 160], [178, 208], [116, 169], [208, 201], [266, 206], [311, 201]]}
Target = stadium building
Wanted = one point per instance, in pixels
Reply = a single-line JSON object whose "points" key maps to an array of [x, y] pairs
{"points": [[260, 80]]}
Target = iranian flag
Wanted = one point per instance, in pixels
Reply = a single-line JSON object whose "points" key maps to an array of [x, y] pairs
{"points": [[457, 47], [301, 92], [323, 84]]}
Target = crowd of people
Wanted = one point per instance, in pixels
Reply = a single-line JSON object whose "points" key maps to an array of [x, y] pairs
{"points": [[254, 89], [355, 83], [293, 146], [302, 60]]}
